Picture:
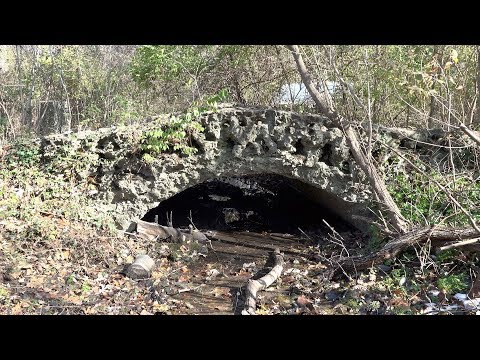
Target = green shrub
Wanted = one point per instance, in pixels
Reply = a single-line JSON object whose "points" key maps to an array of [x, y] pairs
{"points": [[422, 202], [454, 283], [446, 255], [176, 135]]}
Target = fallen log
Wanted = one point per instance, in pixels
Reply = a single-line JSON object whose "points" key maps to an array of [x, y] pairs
{"points": [[261, 284], [152, 231], [437, 235], [141, 268]]}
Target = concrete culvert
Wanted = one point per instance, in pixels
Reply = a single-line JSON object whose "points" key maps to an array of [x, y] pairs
{"points": [[263, 202]]}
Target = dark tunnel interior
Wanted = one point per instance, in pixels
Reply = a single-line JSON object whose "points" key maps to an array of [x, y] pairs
{"points": [[265, 202]]}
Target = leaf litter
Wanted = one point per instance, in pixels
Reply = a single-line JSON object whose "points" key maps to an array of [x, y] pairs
{"points": [[80, 273]]}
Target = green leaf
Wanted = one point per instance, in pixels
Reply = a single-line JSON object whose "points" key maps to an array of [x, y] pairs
{"points": [[454, 56]]}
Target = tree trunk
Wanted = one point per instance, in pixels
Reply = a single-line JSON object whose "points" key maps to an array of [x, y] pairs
{"points": [[433, 108], [476, 119], [236, 82], [363, 160], [431, 113]]}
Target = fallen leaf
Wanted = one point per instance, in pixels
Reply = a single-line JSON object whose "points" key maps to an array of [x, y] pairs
{"points": [[145, 312], [183, 278], [221, 291], [160, 308], [263, 310], [74, 299], [212, 273], [317, 266], [17, 309], [157, 274], [303, 301], [395, 302], [397, 292], [188, 305], [284, 300]]}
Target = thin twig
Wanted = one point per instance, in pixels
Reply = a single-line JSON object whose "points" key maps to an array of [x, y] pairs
{"points": [[190, 289], [190, 218], [303, 232], [460, 243]]}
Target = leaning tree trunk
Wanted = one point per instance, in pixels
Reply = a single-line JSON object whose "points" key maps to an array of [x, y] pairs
{"points": [[437, 236], [363, 160]]}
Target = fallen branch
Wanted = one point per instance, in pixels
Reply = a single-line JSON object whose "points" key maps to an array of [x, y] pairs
{"points": [[470, 133], [151, 231], [436, 235], [181, 291], [460, 243], [261, 284]]}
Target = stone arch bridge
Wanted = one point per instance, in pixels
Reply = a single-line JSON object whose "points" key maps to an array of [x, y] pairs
{"points": [[237, 141]]}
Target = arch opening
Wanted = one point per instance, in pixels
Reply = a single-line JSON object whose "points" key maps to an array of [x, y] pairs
{"points": [[257, 203]]}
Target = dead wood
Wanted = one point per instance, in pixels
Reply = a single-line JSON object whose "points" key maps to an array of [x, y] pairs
{"points": [[437, 236], [261, 284], [470, 133], [461, 243], [141, 268], [151, 231]]}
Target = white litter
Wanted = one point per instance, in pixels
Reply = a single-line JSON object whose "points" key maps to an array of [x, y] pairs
{"points": [[472, 304], [246, 266], [433, 309]]}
